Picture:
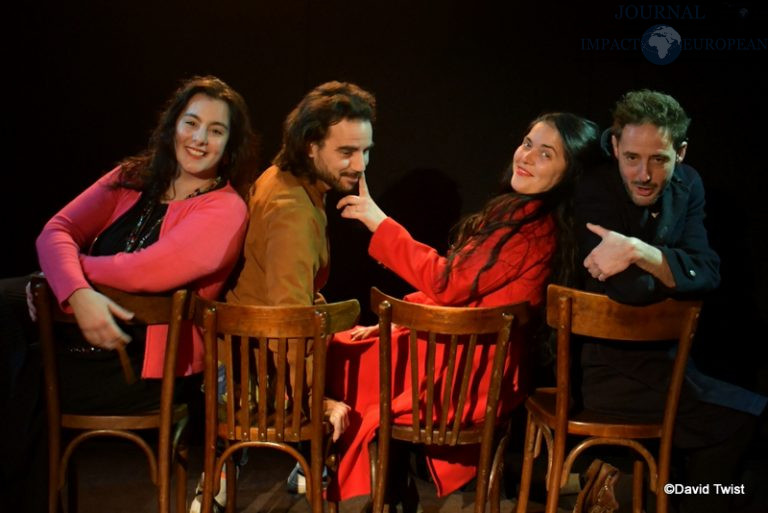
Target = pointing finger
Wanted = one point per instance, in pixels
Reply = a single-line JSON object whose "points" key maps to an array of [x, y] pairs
{"points": [[597, 229], [363, 187]]}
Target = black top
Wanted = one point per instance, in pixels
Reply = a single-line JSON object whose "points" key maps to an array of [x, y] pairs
{"points": [[141, 223]]}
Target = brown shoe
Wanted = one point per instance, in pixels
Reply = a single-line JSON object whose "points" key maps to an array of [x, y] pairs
{"points": [[597, 496]]}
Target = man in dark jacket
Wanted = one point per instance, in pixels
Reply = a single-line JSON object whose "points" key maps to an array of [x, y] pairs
{"points": [[641, 235]]}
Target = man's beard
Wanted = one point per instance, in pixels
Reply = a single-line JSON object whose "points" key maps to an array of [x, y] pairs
{"points": [[332, 181]]}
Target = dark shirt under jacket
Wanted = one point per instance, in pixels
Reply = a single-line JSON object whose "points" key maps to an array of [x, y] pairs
{"points": [[628, 380]]}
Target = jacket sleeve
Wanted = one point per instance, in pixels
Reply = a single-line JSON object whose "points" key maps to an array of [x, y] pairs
{"points": [[71, 231], [694, 264], [422, 267], [206, 239]]}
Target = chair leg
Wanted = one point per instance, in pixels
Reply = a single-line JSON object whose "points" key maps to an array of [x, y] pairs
{"points": [[662, 476], [163, 478], [662, 499], [481, 483], [54, 493], [379, 470], [54, 469], [315, 491], [331, 462], [72, 487], [181, 464], [527, 470], [208, 478], [637, 487], [555, 471], [496, 476], [494, 488], [231, 472]]}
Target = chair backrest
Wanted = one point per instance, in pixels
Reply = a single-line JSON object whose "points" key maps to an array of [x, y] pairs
{"points": [[571, 311], [445, 389], [268, 396], [149, 309]]}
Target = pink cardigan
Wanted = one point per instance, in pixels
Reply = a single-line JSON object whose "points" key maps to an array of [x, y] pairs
{"points": [[199, 243]]}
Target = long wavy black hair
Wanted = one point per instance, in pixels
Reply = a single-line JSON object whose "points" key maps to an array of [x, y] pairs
{"points": [[579, 137], [153, 170]]}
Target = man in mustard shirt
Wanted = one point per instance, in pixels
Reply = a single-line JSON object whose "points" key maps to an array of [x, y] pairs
{"points": [[327, 140], [326, 143]]}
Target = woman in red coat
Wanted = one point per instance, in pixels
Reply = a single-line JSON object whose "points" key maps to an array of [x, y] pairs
{"points": [[501, 255]]}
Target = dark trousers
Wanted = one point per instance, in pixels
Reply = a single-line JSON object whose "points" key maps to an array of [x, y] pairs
{"points": [[23, 441], [89, 383]]}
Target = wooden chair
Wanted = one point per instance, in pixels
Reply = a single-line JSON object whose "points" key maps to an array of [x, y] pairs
{"points": [[581, 313], [433, 423], [268, 400], [149, 309]]}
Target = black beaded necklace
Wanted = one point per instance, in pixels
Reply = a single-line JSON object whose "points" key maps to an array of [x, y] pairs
{"points": [[148, 223]]}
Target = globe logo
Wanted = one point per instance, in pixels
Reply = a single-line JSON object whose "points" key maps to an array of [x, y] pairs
{"points": [[661, 44]]}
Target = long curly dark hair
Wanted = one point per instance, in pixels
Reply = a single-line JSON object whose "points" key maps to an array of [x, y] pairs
{"points": [[153, 170], [310, 120], [579, 138]]}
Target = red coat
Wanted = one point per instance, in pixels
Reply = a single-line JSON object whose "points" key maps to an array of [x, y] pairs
{"points": [[520, 274]]}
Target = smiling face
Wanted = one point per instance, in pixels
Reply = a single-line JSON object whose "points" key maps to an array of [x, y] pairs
{"points": [[539, 163], [202, 132], [646, 161], [340, 159]]}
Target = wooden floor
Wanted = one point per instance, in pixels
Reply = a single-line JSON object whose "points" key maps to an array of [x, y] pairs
{"points": [[113, 478]]}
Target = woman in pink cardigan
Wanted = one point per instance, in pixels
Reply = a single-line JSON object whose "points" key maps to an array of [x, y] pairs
{"points": [[169, 217]]}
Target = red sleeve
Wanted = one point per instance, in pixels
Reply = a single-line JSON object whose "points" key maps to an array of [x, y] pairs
{"points": [[423, 267], [203, 240]]}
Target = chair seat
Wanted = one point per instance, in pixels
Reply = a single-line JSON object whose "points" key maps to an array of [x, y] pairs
{"points": [[140, 420], [587, 422]]}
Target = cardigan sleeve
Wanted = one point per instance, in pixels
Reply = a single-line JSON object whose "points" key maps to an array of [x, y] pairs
{"points": [[203, 238], [72, 230], [422, 267]]}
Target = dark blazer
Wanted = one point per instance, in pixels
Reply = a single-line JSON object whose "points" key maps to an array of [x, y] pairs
{"points": [[678, 232]]}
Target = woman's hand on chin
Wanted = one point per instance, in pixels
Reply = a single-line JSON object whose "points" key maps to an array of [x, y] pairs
{"points": [[362, 207]]}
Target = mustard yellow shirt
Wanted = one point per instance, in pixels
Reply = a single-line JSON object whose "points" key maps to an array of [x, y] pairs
{"points": [[286, 254]]}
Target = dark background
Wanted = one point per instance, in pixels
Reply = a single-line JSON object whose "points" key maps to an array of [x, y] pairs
{"points": [[456, 84]]}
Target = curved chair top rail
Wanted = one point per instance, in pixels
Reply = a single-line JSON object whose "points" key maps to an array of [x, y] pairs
{"points": [[450, 319], [276, 321], [148, 308], [596, 315]]}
